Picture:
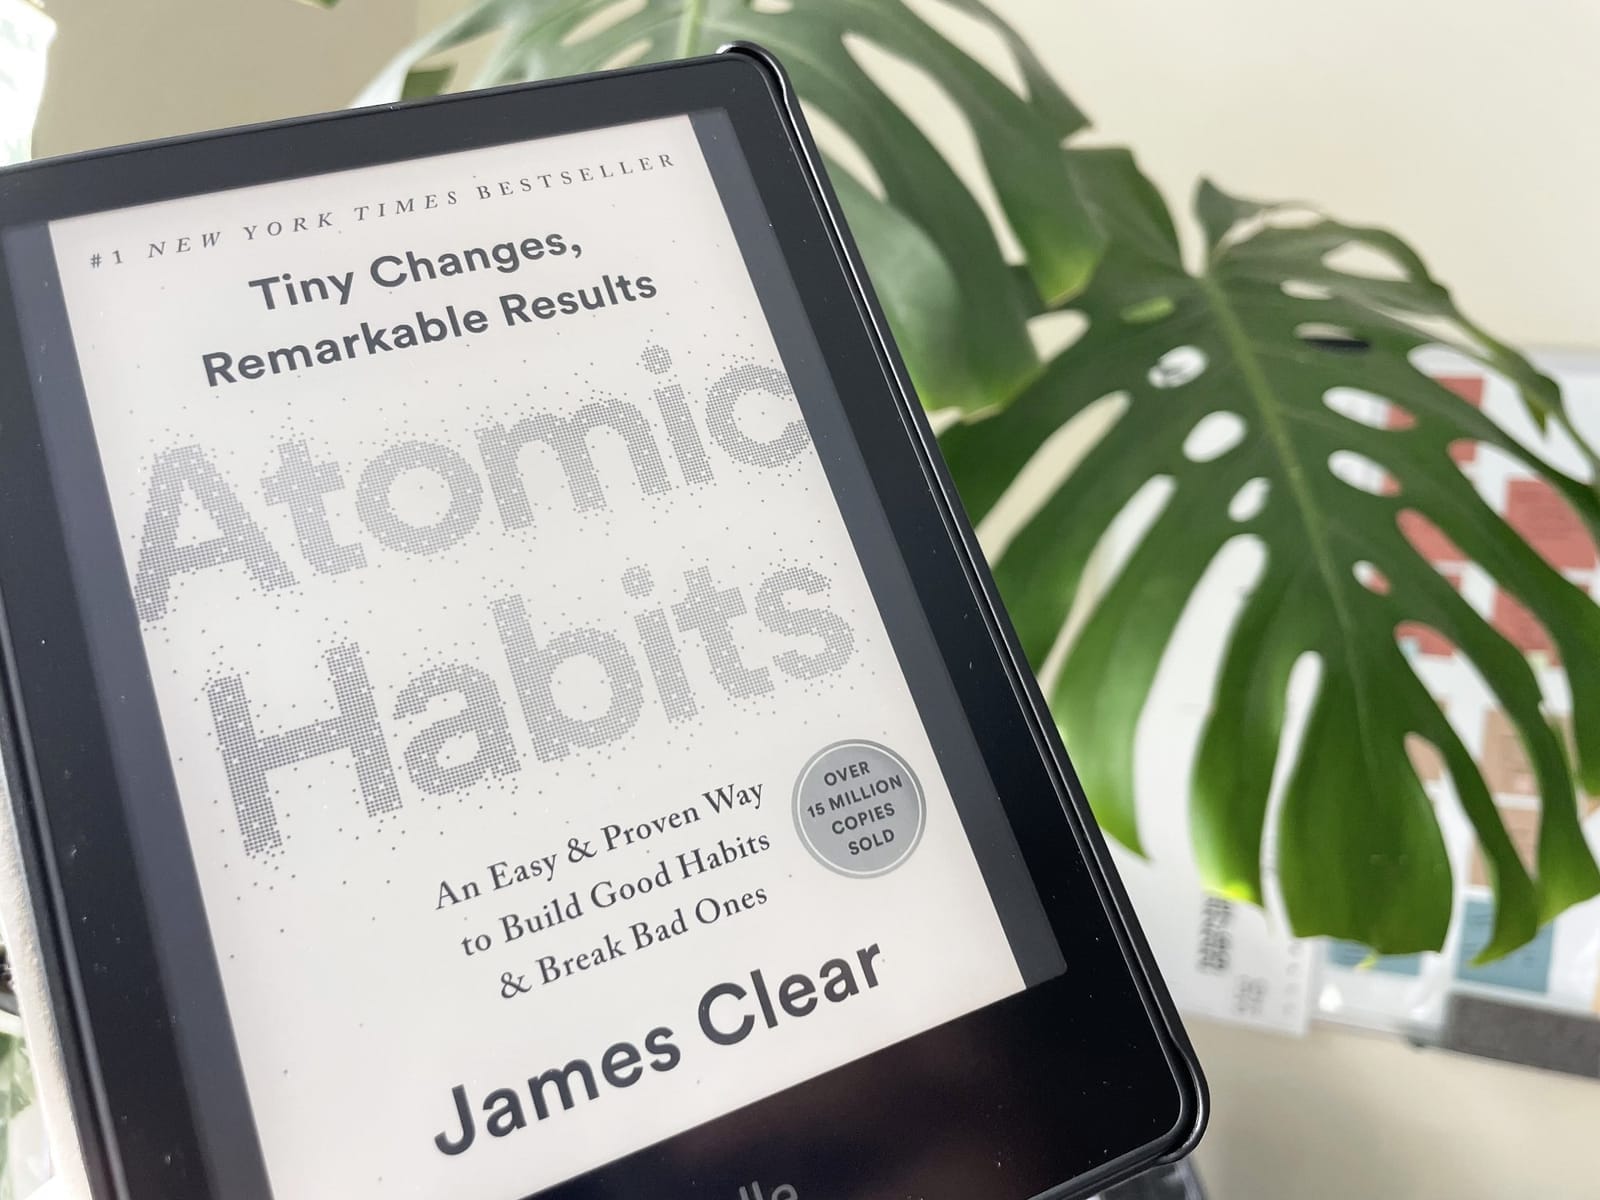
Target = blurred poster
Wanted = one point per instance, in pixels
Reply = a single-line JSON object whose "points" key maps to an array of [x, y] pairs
{"points": [[1222, 960], [1561, 967], [25, 34]]}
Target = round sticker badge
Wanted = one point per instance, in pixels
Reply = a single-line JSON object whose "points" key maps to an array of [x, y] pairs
{"points": [[859, 808]]}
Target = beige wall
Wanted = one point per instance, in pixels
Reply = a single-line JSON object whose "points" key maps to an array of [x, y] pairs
{"points": [[123, 70], [1467, 125], [1464, 124]]}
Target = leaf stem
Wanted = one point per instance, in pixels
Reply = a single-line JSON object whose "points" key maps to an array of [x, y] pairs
{"points": [[694, 12], [1260, 392]]}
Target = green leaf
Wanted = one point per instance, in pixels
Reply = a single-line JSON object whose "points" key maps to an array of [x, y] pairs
{"points": [[1277, 327], [423, 83], [967, 334], [921, 296]]}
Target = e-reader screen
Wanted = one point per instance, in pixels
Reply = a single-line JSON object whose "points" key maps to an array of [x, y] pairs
{"points": [[549, 704]]}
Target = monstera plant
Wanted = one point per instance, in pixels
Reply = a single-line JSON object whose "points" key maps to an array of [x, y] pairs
{"points": [[1272, 390]]}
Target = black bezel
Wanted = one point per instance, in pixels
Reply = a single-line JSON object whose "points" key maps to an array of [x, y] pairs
{"points": [[1086, 1078]]}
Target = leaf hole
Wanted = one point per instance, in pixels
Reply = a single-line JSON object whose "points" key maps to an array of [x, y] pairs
{"points": [[1426, 759], [606, 18], [1277, 217], [1362, 473], [1452, 358], [845, 151], [1366, 408], [1550, 525], [1416, 638], [1427, 539], [1294, 215], [1300, 699], [1469, 387], [932, 111], [1055, 332], [1464, 451], [1364, 261], [1508, 401], [1301, 289], [771, 6], [1178, 366], [1369, 577], [1195, 650], [1517, 623], [1250, 499], [1213, 436], [1508, 771], [1118, 544], [977, 37], [1335, 339], [1042, 475]]}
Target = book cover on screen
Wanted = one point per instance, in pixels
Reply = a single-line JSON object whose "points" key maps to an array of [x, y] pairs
{"points": [[551, 778]]}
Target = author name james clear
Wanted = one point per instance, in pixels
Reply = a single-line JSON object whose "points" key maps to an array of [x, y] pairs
{"points": [[728, 1014]]}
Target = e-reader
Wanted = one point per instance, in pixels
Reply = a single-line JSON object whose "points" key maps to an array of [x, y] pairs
{"points": [[501, 697]]}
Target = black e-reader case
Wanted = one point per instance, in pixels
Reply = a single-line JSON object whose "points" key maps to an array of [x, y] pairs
{"points": [[1059, 1091]]}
